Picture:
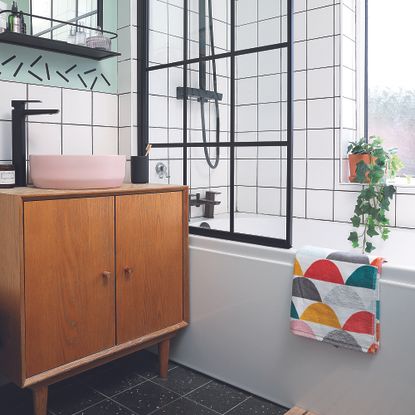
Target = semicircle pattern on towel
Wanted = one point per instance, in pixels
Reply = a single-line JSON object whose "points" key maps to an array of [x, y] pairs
{"points": [[343, 296], [297, 269], [294, 313], [364, 277], [321, 314], [338, 337], [298, 326], [362, 322], [324, 270], [305, 288], [349, 257]]}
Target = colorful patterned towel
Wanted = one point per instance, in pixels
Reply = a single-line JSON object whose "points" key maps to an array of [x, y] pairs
{"points": [[335, 298]]}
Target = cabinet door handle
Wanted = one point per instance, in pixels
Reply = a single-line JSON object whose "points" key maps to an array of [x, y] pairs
{"points": [[128, 271], [106, 275]]}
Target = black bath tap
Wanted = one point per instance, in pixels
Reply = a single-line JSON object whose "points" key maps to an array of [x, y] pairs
{"points": [[209, 202], [19, 114]]}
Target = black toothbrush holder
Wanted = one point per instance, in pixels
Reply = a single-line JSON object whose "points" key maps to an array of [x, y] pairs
{"points": [[139, 169]]}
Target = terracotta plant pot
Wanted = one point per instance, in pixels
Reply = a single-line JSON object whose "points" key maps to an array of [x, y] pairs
{"points": [[354, 160]]}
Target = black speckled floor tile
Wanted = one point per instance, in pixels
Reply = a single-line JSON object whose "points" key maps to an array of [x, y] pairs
{"points": [[182, 380], [144, 363], [72, 398], [257, 406], [12, 396], [146, 398], [97, 371], [218, 396], [114, 380], [131, 386], [106, 407], [23, 409], [184, 406]]}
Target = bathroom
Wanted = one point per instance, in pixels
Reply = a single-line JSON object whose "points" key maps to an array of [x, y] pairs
{"points": [[164, 165]]}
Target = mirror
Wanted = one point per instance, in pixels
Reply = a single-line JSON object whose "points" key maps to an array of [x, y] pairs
{"points": [[85, 12]]}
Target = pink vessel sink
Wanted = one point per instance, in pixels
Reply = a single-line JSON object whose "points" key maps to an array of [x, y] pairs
{"points": [[77, 172]]}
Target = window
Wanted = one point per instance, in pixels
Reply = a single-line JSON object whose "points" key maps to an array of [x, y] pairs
{"points": [[241, 84], [377, 72], [391, 79]]}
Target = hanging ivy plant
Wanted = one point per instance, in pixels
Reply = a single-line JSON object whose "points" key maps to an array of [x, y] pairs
{"points": [[376, 195]]}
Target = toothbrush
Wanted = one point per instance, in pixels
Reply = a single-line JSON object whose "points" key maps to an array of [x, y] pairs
{"points": [[148, 149]]}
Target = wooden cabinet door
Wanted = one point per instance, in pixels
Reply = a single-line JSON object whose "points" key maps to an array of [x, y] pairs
{"points": [[69, 280], [149, 235]]}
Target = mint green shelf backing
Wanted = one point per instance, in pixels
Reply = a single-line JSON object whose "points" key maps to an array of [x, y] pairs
{"points": [[58, 62]]}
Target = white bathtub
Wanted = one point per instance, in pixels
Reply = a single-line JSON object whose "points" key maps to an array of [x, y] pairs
{"points": [[239, 332]]}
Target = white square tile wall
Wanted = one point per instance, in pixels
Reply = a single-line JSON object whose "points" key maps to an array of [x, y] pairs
{"points": [[77, 106], [105, 124], [44, 139], [68, 132]]}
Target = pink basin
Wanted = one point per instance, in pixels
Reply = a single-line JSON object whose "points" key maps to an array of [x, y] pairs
{"points": [[77, 172]]}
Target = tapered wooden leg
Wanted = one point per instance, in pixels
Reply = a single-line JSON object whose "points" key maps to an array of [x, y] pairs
{"points": [[40, 400], [164, 350]]}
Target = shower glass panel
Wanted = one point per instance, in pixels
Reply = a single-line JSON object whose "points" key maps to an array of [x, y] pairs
{"points": [[260, 23], [220, 113], [165, 32], [260, 188], [204, 15], [212, 186], [208, 120]]}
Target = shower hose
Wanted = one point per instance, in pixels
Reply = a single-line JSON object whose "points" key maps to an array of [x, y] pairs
{"points": [[212, 164]]}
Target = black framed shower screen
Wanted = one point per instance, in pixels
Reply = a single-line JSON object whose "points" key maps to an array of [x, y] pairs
{"points": [[144, 69]]}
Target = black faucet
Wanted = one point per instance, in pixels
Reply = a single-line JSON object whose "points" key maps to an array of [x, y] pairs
{"points": [[209, 202], [19, 114]]}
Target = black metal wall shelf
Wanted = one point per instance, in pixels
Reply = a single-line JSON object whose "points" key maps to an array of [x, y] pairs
{"points": [[57, 46]]}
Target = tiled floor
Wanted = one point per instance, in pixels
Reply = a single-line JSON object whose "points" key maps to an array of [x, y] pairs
{"points": [[131, 386]]}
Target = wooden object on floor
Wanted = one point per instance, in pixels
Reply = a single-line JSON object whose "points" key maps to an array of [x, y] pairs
{"points": [[87, 277], [40, 400], [164, 351]]}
